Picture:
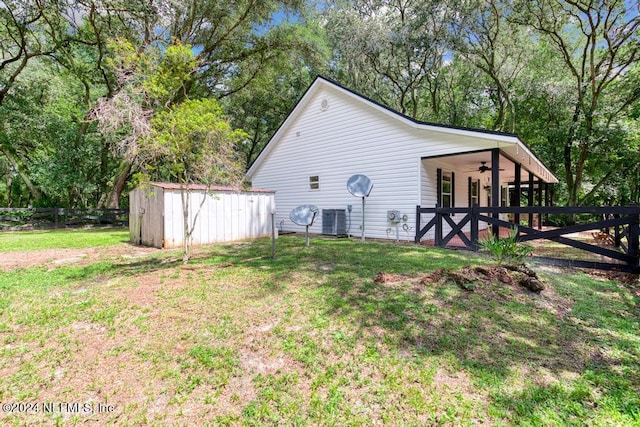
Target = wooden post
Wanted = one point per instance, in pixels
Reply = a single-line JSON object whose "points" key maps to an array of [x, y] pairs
{"points": [[415, 240], [530, 198], [439, 219], [495, 186], [547, 200], [634, 238], [539, 203], [273, 235], [518, 172], [617, 238], [475, 218]]}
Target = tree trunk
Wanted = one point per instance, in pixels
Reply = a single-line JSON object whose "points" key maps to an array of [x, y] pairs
{"points": [[9, 193], [33, 190], [572, 198], [113, 201], [186, 244], [103, 181]]}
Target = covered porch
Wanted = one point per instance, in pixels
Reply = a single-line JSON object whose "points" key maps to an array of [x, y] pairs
{"points": [[503, 176]]}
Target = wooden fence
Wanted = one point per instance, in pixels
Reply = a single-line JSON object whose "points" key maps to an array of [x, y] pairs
{"points": [[620, 223], [28, 218]]}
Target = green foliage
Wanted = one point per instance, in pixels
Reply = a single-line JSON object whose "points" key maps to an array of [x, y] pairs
{"points": [[173, 73], [44, 134], [277, 86], [392, 52], [506, 250], [138, 53], [558, 74], [170, 138], [193, 142]]}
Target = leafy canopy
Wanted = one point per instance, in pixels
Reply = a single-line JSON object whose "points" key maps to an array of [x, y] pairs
{"points": [[194, 142]]}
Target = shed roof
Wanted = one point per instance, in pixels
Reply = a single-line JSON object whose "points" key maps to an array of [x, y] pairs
{"points": [[219, 188]]}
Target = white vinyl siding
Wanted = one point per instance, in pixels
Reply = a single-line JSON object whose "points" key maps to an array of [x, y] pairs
{"points": [[353, 136], [337, 143]]}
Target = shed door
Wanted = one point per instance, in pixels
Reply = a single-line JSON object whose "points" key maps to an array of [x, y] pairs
{"points": [[152, 224], [135, 217]]}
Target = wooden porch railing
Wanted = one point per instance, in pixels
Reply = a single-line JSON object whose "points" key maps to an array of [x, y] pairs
{"points": [[625, 221]]}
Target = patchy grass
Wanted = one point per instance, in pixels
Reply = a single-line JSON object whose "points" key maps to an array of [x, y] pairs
{"points": [[62, 239], [236, 338]]}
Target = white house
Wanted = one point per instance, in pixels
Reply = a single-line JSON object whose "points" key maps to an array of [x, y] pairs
{"points": [[334, 133]]}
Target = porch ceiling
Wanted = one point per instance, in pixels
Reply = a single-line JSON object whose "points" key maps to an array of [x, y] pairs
{"points": [[469, 164]]}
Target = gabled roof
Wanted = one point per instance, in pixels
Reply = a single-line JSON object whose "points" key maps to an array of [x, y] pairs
{"points": [[319, 82], [409, 118]]}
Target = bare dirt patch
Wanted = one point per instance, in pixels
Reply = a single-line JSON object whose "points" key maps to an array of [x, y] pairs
{"points": [[57, 257], [468, 278], [144, 292]]}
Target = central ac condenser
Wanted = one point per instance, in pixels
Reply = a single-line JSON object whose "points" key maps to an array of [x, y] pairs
{"points": [[334, 222]]}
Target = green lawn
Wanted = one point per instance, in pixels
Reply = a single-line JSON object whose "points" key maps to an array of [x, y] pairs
{"points": [[236, 338], [61, 239]]}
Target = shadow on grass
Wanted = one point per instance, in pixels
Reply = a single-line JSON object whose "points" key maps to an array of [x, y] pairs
{"points": [[581, 330], [578, 352]]}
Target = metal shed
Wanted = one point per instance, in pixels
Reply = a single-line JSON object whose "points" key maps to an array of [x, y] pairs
{"points": [[156, 216]]}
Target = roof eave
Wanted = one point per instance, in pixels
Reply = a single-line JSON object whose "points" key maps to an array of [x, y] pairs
{"points": [[500, 137]]}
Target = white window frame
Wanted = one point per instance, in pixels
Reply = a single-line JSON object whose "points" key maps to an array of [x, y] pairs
{"points": [[447, 176], [475, 198], [314, 182]]}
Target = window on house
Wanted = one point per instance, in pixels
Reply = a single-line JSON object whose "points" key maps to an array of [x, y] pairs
{"points": [[475, 192], [314, 182], [446, 192], [504, 196]]}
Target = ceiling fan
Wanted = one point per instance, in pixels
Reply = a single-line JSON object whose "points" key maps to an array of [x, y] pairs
{"points": [[483, 167]]}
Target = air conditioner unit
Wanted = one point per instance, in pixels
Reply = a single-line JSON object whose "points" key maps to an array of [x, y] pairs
{"points": [[334, 222]]}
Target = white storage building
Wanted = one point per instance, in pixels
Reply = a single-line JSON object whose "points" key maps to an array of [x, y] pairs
{"points": [[223, 214]]}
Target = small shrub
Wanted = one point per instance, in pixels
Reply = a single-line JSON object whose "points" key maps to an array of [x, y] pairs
{"points": [[506, 250]]}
